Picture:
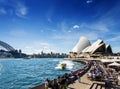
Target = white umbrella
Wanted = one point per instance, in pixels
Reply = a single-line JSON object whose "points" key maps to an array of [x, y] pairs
{"points": [[114, 64], [94, 59], [116, 60], [106, 60]]}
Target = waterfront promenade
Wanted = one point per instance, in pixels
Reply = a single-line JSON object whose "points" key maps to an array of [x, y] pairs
{"points": [[86, 82], [84, 71]]}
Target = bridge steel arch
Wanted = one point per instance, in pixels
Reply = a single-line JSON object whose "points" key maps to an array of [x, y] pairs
{"points": [[6, 46]]}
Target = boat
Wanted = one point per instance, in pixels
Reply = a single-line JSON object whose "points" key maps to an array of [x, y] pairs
{"points": [[27, 58], [63, 66]]}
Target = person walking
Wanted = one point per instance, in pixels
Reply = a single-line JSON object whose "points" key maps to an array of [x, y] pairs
{"points": [[46, 84], [107, 83], [79, 75], [55, 84]]}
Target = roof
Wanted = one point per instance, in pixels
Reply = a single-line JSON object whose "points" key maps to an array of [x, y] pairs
{"points": [[82, 44]]}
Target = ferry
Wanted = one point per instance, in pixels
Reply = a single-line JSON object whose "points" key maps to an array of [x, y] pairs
{"points": [[27, 58]]}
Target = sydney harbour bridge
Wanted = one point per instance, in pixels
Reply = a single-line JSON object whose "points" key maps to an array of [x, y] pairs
{"points": [[6, 47], [8, 51]]}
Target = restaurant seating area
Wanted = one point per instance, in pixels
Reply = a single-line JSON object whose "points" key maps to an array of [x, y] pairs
{"points": [[96, 72], [106, 76]]}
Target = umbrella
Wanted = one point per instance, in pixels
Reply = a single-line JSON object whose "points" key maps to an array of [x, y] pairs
{"points": [[106, 60], [114, 64], [94, 59], [116, 60]]}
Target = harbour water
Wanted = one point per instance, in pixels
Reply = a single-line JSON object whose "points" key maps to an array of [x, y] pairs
{"points": [[26, 73]]}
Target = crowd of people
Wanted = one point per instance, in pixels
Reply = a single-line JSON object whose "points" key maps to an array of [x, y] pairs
{"points": [[107, 75], [68, 78], [95, 73]]}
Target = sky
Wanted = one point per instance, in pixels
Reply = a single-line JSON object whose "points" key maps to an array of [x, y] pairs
{"points": [[57, 25]]}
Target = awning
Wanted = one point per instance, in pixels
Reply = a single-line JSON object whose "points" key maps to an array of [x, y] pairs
{"points": [[106, 60], [114, 64]]}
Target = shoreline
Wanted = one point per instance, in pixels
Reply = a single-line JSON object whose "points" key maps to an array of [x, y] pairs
{"points": [[86, 83], [42, 86], [77, 59]]}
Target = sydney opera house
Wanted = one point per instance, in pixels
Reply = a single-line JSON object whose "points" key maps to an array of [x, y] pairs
{"points": [[85, 47]]}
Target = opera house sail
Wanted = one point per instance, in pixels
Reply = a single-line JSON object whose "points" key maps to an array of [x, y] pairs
{"points": [[83, 46]]}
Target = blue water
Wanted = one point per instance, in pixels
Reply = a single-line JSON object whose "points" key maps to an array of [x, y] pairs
{"points": [[25, 73]]}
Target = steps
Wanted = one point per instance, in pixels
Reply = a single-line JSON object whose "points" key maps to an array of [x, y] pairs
{"points": [[97, 86]]}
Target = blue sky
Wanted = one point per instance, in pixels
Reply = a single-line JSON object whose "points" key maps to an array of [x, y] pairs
{"points": [[57, 25]]}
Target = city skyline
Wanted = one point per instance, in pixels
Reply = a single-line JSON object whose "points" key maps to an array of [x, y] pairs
{"points": [[56, 25]]}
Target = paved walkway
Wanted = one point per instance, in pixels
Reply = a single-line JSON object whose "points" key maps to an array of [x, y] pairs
{"points": [[84, 84]]}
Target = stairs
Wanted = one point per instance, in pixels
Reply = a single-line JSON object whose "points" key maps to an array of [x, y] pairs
{"points": [[97, 86], [101, 85]]}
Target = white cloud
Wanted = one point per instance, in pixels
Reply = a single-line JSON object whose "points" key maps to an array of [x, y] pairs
{"points": [[116, 49], [49, 20], [41, 30], [16, 7], [117, 38], [21, 10], [43, 44], [31, 49], [69, 31], [95, 26], [75, 26], [63, 26], [73, 36], [63, 36], [54, 30], [91, 35], [37, 47], [89, 1], [3, 11], [100, 27]]}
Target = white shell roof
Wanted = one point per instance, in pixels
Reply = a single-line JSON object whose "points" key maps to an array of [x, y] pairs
{"points": [[82, 44], [94, 46]]}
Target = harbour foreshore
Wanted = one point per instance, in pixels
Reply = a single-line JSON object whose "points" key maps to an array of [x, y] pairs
{"points": [[42, 86], [85, 83]]}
